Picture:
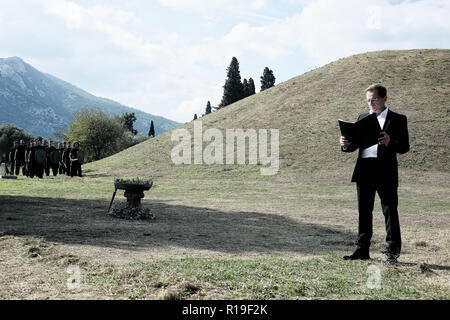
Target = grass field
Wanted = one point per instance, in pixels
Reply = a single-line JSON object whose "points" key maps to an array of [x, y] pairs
{"points": [[269, 238], [226, 231]]}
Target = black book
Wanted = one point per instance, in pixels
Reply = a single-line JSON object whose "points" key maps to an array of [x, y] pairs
{"points": [[364, 132]]}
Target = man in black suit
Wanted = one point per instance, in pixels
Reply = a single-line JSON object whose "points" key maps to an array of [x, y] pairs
{"points": [[376, 170]]}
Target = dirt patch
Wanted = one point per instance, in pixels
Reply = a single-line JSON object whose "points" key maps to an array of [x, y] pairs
{"points": [[30, 271]]}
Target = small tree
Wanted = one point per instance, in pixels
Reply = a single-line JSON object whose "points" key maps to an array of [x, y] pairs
{"points": [[8, 134], [208, 108], [195, 116], [128, 120], [267, 79], [151, 132], [99, 134]]}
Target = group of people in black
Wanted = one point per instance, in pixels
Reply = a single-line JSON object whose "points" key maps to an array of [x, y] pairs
{"points": [[38, 157]]}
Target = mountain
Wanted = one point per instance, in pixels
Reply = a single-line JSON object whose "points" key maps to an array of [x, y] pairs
{"points": [[41, 103], [305, 109]]}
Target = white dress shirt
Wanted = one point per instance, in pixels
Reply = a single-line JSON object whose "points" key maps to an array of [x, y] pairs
{"points": [[372, 151]]}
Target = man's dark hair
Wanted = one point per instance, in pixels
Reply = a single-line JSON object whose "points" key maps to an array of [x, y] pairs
{"points": [[382, 91]]}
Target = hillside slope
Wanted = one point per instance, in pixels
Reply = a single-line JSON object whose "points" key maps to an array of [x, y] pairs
{"points": [[41, 103], [305, 109]]}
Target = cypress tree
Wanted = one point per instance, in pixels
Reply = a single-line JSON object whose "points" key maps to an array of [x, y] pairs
{"points": [[233, 89], [267, 79], [151, 132], [251, 87], [208, 108], [246, 88]]}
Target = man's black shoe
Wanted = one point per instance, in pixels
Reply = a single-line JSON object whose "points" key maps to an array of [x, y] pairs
{"points": [[357, 254], [391, 258], [391, 262]]}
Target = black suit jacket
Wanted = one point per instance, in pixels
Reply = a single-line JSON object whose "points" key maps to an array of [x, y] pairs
{"points": [[397, 128]]}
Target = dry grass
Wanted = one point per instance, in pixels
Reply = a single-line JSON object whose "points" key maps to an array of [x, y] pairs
{"points": [[225, 231], [210, 222]]}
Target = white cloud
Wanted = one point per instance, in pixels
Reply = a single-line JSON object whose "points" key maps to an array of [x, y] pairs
{"points": [[71, 13], [329, 30], [201, 5], [173, 69], [373, 17], [186, 110], [76, 15], [299, 2], [271, 41], [108, 21]]}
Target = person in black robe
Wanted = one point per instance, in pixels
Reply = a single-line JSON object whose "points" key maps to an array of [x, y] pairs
{"points": [[20, 157], [47, 159], [37, 169], [11, 156], [49, 149], [66, 158], [61, 147], [30, 158], [75, 165], [41, 168], [27, 158]]}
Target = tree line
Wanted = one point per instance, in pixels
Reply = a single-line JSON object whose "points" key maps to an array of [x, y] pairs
{"points": [[98, 133], [234, 89]]}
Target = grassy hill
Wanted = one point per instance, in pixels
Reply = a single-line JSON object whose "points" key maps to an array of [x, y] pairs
{"points": [[305, 109]]}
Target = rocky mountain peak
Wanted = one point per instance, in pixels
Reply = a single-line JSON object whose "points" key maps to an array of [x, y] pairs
{"points": [[41, 103]]}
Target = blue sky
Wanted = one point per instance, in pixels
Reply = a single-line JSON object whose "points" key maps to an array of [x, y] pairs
{"points": [[169, 57]]}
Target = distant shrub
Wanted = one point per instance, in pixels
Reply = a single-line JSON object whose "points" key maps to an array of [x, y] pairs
{"points": [[99, 134]]}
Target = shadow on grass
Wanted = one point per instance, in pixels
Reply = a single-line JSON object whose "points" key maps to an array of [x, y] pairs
{"points": [[86, 222], [91, 174], [424, 267]]}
